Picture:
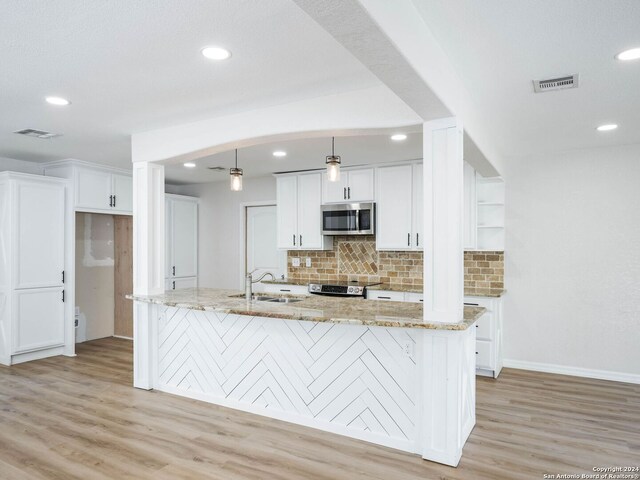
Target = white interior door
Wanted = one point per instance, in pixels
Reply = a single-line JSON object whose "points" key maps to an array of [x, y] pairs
{"points": [[262, 252]]}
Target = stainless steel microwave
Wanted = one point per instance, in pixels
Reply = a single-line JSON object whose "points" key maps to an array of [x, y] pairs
{"points": [[349, 219]]}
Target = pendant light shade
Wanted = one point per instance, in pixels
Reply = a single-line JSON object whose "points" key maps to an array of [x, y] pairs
{"points": [[333, 164], [235, 175]]}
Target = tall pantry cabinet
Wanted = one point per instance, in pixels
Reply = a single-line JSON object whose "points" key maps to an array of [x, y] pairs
{"points": [[33, 254]]}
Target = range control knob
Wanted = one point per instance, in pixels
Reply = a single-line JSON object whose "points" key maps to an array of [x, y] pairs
{"points": [[350, 290]]}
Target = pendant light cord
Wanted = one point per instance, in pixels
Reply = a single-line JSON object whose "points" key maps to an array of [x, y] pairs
{"points": [[333, 143], [236, 158]]}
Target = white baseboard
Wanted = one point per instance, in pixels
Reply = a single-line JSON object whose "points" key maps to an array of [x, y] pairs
{"points": [[573, 371]]}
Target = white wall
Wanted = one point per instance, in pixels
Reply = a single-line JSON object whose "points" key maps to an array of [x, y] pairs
{"points": [[573, 261], [220, 253], [10, 164]]}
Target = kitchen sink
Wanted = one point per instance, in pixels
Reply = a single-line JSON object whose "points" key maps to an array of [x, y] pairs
{"points": [[265, 298]]}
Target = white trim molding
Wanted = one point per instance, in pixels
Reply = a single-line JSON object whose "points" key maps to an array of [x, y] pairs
{"points": [[573, 371]]}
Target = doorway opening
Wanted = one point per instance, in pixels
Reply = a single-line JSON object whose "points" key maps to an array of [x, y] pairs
{"points": [[104, 275], [260, 242]]}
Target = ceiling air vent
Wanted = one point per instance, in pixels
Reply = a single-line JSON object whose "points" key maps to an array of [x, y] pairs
{"points": [[217, 169], [560, 83], [30, 132]]}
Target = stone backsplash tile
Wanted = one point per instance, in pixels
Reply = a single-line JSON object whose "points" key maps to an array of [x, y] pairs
{"points": [[355, 258], [484, 269]]}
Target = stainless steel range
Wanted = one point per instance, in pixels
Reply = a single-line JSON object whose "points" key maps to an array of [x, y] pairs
{"points": [[343, 289]]}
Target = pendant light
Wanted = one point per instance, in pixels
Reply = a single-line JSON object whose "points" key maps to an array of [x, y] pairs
{"points": [[333, 164], [236, 176]]}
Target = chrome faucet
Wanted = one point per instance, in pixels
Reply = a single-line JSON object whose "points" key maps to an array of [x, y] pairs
{"points": [[249, 281]]}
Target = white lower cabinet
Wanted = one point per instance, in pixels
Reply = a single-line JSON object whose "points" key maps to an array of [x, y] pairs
{"points": [[38, 319], [178, 283], [488, 327], [283, 289], [488, 335]]}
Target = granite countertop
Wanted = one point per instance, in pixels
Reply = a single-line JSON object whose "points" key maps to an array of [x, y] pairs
{"points": [[468, 291], [316, 308]]}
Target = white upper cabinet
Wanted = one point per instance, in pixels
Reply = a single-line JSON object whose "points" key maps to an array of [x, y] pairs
{"points": [[299, 198], [354, 186], [40, 234], [181, 224], [418, 206], [96, 188], [122, 190], [93, 189], [309, 214], [394, 229], [287, 211]]}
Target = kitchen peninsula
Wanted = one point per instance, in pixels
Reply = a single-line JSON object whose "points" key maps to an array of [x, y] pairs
{"points": [[367, 369]]}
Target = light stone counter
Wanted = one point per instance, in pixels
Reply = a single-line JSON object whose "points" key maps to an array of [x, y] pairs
{"points": [[315, 308]]}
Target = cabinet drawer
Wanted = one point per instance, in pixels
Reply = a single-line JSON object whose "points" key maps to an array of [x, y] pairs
{"points": [[484, 327], [385, 295], [414, 297], [288, 289], [484, 357]]}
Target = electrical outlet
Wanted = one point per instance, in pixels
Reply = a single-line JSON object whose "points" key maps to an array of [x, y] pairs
{"points": [[308, 262], [408, 348], [295, 261]]}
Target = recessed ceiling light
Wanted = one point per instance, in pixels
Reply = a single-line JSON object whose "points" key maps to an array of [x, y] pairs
{"points": [[190, 165], [216, 53], [631, 54], [607, 127], [279, 153], [57, 101], [398, 137]]}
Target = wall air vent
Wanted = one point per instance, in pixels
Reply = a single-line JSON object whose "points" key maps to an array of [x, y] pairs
{"points": [[217, 169], [30, 132], [559, 83]]}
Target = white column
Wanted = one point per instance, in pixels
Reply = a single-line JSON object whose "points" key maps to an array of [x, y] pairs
{"points": [[448, 393], [443, 221], [148, 265]]}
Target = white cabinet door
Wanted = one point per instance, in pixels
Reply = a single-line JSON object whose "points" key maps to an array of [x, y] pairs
{"points": [[287, 206], [335, 192], [188, 282], [470, 231], [122, 190], [418, 207], [93, 189], [393, 229], [184, 245], [38, 319], [309, 214], [40, 229], [360, 187]]}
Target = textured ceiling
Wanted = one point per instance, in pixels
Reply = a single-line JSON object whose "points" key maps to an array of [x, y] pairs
{"points": [[498, 47], [131, 66]]}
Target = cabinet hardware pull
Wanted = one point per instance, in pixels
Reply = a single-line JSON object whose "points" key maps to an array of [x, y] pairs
{"points": [[62, 296], [408, 239], [111, 200], [284, 290], [300, 240], [174, 284], [384, 298], [294, 239], [344, 193], [62, 276], [174, 270], [114, 200], [417, 239], [349, 193]]}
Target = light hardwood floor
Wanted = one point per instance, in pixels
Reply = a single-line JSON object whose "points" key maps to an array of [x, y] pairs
{"points": [[67, 418]]}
